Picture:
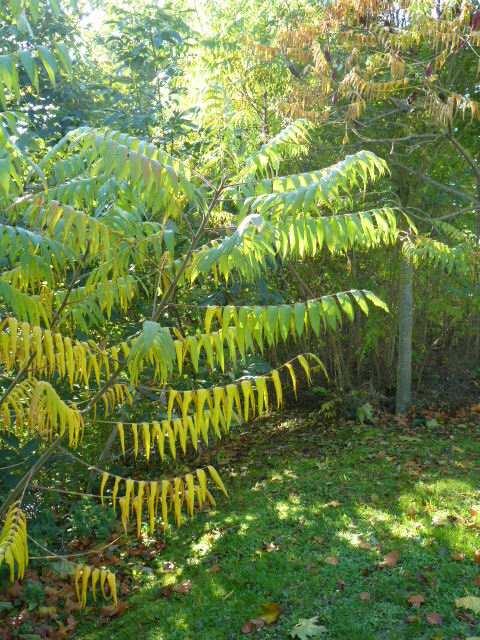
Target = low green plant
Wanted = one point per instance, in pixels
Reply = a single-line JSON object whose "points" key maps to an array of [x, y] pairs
{"points": [[88, 519]]}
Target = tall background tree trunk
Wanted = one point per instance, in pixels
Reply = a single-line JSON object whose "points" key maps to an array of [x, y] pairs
{"points": [[405, 321]]}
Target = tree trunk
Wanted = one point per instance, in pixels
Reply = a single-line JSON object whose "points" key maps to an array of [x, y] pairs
{"points": [[405, 318]]}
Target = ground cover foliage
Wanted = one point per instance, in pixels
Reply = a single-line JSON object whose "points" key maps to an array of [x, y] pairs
{"points": [[204, 211], [371, 528]]}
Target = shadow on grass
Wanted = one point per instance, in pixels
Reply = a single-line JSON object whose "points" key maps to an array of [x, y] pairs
{"points": [[294, 512]]}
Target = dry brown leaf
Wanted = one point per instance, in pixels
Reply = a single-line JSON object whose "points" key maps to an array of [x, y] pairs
{"points": [[215, 568], [331, 560], [333, 503], [252, 625], [434, 618], [458, 556], [412, 618], [360, 542], [364, 596], [72, 605], [390, 560], [182, 587], [110, 610], [416, 601], [476, 582]]}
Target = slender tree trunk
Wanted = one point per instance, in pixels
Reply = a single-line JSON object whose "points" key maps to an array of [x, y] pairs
{"points": [[405, 321]]}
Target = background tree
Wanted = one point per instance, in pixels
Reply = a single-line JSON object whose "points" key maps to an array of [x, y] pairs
{"points": [[399, 82]]}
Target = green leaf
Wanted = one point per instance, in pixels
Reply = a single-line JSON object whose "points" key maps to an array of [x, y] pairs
{"points": [[376, 300], [48, 62], [284, 316], [5, 176], [28, 63], [150, 330], [307, 628], [299, 311], [64, 57]]}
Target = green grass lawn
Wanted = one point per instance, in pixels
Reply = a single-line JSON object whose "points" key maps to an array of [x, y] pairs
{"points": [[302, 491]]}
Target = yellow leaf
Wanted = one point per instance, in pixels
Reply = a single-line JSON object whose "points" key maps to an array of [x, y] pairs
{"points": [[278, 387], [216, 478], [122, 437], [472, 603], [135, 439], [105, 477]]}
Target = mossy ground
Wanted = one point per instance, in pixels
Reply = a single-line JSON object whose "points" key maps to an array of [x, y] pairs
{"points": [[302, 491]]}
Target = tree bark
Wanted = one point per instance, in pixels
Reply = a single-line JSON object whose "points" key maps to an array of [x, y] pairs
{"points": [[405, 322]]}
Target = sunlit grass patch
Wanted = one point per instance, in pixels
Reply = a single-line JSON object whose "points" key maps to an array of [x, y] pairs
{"points": [[311, 537]]}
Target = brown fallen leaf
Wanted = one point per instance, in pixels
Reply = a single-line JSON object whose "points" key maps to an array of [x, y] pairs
{"points": [[390, 560], [412, 618], [72, 605], [318, 539], [416, 601], [333, 503], [477, 556], [458, 556], [110, 610], [434, 618], [476, 582], [411, 512], [252, 625], [360, 542], [364, 596], [215, 568], [182, 587], [270, 612], [331, 560], [341, 585]]}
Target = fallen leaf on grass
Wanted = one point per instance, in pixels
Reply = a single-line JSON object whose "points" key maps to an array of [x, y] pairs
{"points": [[331, 560], [477, 557], [360, 542], [45, 612], [182, 587], [416, 601], [458, 556], [252, 625], [390, 560], [434, 618], [215, 568], [476, 582], [270, 612], [110, 610], [472, 603], [439, 520], [124, 587], [307, 628], [411, 619], [364, 596], [333, 503]]}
